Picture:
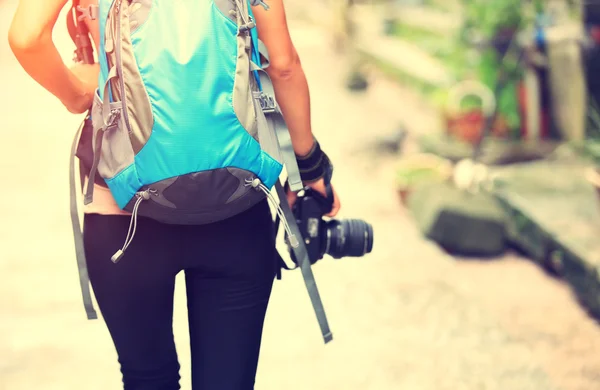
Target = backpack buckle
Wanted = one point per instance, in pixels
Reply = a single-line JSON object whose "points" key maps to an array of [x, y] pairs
{"points": [[90, 12], [267, 103]]}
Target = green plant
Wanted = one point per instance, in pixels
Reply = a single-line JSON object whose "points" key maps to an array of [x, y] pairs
{"points": [[591, 150], [593, 119], [485, 18], [421, 168], [409, 177]]}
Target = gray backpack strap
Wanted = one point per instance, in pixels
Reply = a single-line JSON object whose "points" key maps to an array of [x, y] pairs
{"points": [[273, 133], [289, 157], [84, 280], [262, 50], [305, 267]]}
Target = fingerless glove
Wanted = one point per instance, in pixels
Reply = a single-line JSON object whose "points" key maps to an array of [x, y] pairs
{"points": [[314, 165]]}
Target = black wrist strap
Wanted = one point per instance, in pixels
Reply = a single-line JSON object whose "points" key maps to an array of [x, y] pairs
{"points": [[315, 165]]}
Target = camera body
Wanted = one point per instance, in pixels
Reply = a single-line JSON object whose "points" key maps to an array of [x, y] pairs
{"points": [[337, 238]]}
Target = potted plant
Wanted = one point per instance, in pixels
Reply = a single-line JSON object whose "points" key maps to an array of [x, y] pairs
{"points": [[488, 29], [468, 106]]}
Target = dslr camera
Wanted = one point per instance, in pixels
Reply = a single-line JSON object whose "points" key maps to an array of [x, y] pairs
{"points": [[337, 238]]}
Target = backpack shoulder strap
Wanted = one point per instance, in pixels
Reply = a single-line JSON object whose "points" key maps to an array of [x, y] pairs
{"points": [[83, 53], [79, 32], [84, 279]]}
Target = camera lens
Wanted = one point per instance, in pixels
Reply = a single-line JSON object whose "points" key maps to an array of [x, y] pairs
{"points": [[348, 237]]}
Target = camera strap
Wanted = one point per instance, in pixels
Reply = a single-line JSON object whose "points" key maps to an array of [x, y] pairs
{"points": [[301, 254]]}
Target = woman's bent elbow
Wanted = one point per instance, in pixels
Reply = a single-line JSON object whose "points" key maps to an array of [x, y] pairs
{"points": [[285, 68], [21, 41]]}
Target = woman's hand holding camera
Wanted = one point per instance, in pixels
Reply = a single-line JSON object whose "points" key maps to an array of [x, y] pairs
{"points": [[315, 168], [318, 186]]}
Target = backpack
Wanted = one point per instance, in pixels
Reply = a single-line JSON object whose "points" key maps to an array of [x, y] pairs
{"points": [[184, 127]]}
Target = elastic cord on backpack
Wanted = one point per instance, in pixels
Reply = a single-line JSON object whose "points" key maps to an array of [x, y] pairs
{"points": [[141, 196], [256, 183]]}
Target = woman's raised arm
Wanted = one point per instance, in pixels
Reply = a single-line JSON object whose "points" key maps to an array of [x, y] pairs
{"points": [[30, 38]]}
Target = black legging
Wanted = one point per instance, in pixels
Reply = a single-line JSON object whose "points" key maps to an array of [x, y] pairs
{"points": [[229, 268]]}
